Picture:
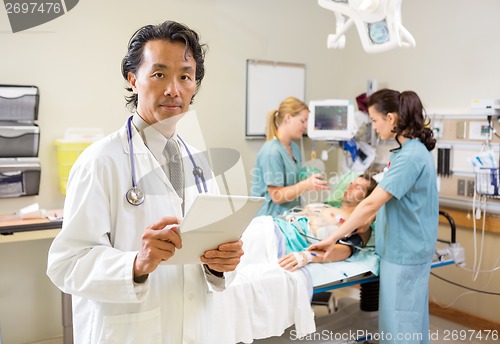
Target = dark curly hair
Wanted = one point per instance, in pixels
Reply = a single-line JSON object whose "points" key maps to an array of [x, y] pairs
{"points": [[411, 119], [170, 31]]}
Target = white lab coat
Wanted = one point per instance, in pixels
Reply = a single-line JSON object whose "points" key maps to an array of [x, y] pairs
{"points": [[92, 257]]}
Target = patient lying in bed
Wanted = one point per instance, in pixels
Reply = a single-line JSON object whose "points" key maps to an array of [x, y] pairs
{"points": [[262, 288], [315, 222]]}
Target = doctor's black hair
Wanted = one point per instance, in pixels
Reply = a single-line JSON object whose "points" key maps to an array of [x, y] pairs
{"points": [[170, 31], [411, 119]]}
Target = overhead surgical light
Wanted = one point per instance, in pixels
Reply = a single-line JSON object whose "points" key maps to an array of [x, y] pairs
{"points": [[378, 23]]}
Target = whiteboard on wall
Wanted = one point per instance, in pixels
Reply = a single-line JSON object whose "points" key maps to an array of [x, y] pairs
{"points": [[268, 84]]}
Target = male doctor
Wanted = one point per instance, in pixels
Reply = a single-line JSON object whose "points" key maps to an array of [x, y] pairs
{"points": [[109, 251]]}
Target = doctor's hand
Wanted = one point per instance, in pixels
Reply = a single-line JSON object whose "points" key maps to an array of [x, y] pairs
{"points": [[158, 243], [225, 258]]}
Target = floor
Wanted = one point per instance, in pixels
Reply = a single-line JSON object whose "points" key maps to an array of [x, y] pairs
{"points": [[441, 331]]}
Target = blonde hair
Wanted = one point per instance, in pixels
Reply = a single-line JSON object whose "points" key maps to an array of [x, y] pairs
{"points": [[290, 105]]}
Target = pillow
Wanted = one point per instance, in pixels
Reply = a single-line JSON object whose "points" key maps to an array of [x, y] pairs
{"points": [[339, 187]]}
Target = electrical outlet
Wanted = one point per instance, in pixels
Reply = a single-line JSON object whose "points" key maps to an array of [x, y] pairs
{"points": [[470, 188], [461, 187]]}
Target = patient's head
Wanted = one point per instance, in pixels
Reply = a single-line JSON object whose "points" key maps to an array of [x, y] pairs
{"points": [[358, 190]]}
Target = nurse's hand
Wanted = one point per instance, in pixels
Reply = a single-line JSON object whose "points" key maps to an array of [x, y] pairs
{"points": [[158, 243], [316, 182], [224, 259], [327, 245]]}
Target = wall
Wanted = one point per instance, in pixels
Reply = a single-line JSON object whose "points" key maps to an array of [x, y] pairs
{"points": [[454, 60], [75, 60]]}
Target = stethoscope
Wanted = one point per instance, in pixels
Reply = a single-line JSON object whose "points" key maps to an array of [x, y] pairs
{"points": [[135, 195]]}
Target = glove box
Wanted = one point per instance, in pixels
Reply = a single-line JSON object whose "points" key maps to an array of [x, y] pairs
{"points": [[19, 139], [18, 103], [19, 177]]}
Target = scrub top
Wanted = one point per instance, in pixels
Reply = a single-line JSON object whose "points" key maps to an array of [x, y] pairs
{"points": [[275, 167], [407, 224]]}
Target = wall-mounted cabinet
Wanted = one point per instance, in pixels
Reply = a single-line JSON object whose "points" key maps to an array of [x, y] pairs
{"points": [[19, 141]]}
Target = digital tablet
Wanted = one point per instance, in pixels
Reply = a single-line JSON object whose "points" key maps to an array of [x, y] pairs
{"points": [[213, 220]]}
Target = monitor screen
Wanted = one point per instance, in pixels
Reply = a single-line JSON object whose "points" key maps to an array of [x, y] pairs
{"points": [[331, 119]]}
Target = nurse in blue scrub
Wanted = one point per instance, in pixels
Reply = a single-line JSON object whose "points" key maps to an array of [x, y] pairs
{"points": [[275, 175], [407, 210]]}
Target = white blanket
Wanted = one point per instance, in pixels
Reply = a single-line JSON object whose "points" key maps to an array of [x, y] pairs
{"points": [[263, 302], [264, 299]]}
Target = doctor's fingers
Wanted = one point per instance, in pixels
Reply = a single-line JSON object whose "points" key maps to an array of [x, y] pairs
{"points": [[222, 257], [164, 222], [221, 265], [156, 250], [235, 246], [224, 252], [168, 236], [167, 246]]}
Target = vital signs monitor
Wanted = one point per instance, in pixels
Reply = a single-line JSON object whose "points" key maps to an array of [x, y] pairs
{"points": [[331, 119]]}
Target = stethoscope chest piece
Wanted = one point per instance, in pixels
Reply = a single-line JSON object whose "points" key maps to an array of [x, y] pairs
{"points": [[198, 172], [135, 196]]}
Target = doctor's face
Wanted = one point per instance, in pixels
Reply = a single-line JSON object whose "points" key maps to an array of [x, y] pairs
{"points": [[165, 80]]}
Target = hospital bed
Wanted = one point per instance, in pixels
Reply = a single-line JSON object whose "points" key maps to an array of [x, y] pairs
{"points": [[274, 306]]}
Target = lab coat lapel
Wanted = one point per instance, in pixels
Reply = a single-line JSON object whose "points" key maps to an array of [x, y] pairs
{"points": [[144, 161]]}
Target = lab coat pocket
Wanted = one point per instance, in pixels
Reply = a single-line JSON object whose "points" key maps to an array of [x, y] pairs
{"points": [[144, 327]]}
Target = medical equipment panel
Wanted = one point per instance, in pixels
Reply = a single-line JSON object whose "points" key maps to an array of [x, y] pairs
{"points": [[19, 177], [487, 182], [378, 23], [331, 119], [18, 103], [19, 139], [467, 159]]}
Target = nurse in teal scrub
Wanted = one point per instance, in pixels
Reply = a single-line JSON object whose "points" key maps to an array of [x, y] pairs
{"points": [[407, 210], [275, 175]]}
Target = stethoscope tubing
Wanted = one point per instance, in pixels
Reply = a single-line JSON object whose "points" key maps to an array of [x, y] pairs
{"points": [[131, 150], [197, 170]]}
